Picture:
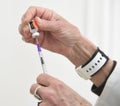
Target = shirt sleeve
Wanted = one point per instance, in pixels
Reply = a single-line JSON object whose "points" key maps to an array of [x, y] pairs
{"points": [[110, 95], [98, 90]]}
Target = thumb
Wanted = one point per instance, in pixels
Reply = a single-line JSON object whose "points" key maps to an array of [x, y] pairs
{"points": [[46, 25]]}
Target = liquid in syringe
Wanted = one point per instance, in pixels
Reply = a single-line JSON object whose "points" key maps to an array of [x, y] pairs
{"points": [[35, 34]]}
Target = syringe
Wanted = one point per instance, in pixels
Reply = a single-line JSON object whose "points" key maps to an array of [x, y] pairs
{"points": [[35, 34]]}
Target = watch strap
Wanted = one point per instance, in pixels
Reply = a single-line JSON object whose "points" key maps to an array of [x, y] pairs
{"points": [[93, 65]]}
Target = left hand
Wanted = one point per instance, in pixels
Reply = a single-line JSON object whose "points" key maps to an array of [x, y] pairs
{"points": [[55, 93]]}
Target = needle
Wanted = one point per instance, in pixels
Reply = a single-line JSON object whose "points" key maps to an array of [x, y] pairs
{"points": [[41, 56]]}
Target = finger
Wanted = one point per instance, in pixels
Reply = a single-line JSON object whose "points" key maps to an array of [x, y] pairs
{"points": [[36, 94], [45, 79], [24, 30], [29, 40], [47, 25], [20, 29], [38, 91], [28, 15], [33, 87], [42, 80], [32, 12]]}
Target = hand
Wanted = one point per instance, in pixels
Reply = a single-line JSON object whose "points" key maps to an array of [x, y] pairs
{"points": [[56, 34], [55, 93]]}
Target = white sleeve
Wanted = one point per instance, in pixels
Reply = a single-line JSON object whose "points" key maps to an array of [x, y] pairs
{"points": [[111, 93]]}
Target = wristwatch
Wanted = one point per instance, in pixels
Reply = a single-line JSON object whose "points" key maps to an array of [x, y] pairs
{"points": [[93, 65]]}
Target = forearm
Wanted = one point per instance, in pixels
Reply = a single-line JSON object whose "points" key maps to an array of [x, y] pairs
{"points": [[81, 53]]}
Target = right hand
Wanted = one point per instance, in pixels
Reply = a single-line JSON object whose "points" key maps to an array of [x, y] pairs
{"points": [[56, 33]]}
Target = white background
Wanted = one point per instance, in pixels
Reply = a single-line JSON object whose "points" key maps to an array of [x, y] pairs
{"points": [[98, 20]]}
